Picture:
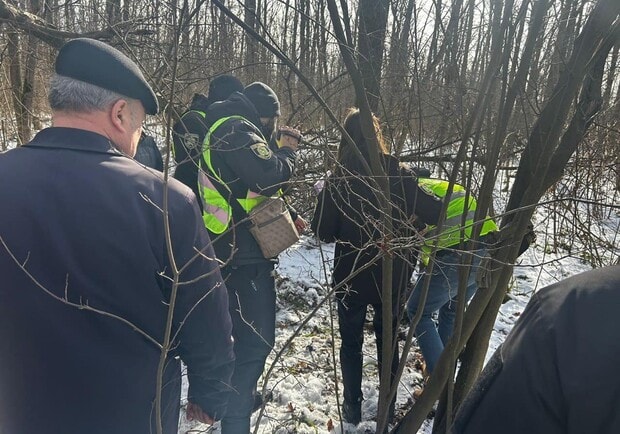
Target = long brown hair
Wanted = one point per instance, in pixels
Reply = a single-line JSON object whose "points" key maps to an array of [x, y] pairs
{"points": [[347, 156]]}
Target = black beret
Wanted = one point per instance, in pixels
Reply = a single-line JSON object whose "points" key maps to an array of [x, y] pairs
{"points": [[222, 86], [264, 99], [98, 63]]}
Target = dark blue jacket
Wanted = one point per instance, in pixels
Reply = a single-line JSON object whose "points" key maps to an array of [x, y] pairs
{"points": [[82, 224], [188, 133], [557, 371], [241, 169], [148, 153]]}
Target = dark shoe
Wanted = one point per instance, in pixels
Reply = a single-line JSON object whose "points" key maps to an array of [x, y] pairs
{"points": [[259, 400], [391, 412], [352, 411]]}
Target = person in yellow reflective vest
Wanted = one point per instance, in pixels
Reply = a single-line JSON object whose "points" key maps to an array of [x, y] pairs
{"points": [[238, 164], [444, 282], [189, 131]]}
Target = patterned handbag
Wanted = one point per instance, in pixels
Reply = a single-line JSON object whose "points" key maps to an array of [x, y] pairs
{"points": [[272, 226]]}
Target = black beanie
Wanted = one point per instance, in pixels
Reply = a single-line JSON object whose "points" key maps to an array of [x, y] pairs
{"points": [[421, 172], [222, 86], [98, 63], [264, 99]]}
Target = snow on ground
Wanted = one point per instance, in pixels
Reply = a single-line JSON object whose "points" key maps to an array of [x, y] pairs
{"points": [[302, 378]]}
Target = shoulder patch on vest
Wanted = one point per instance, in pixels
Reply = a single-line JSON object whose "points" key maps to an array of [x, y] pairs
{"points": [[261, 150], [426, 189], [191, 140]]}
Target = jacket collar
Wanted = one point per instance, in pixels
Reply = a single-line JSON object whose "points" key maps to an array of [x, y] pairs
{"points": [[73, 139]]}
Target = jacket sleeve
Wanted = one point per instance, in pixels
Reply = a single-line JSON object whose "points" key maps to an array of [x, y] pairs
{"points": [[262, 169], [326, 219], [523, 375], [202, 322], [188, 134], [425, 205]]}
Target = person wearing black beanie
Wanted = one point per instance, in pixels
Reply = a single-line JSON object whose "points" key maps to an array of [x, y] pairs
{"points": [[222, 86], [240, 168], [267, 105], [189, 131], [87, 273], [264, 99]]}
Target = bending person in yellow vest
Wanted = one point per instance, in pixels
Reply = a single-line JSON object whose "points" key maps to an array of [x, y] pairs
{"points": [[238, 166], [444, 283]]}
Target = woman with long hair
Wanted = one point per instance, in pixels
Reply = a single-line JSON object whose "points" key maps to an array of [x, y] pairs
{"points": [[349, 212]]}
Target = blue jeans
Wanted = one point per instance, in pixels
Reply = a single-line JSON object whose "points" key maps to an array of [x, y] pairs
{"points": [[442, 298]]}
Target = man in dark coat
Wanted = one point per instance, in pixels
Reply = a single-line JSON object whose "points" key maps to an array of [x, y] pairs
{"points": [[238, 162], [557, 371], [87, 279], [189, 131]]}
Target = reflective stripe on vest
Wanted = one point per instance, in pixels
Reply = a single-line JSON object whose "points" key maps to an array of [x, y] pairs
{"points": [[217, 212], [451, 229]]}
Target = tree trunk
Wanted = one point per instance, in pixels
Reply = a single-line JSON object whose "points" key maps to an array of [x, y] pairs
{"points": [[591, 49], [15, 76], [371, 39], [251, 47]]}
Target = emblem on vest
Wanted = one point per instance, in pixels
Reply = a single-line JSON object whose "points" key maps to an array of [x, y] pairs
{"points": [[261, 150], [191, 140], [426, 189]]}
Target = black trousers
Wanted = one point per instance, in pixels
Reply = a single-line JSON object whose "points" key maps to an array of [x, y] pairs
{"points": [[351, 316], [252, 304]]}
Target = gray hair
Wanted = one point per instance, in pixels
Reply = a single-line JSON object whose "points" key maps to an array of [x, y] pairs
{"points": [[69, 94]]}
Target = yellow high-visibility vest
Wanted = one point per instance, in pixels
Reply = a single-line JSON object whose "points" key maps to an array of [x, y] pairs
{"points": [[217, 212], [452, 226]]}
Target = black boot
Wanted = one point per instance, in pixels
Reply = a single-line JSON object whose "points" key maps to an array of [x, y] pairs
{"points": [[258, 400], [352, 411]]}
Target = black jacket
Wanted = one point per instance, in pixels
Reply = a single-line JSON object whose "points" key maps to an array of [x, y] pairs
{"points": [[557, 371], [148, 153], [188, 133], [235, 157], [347, 212], [83, 223]]}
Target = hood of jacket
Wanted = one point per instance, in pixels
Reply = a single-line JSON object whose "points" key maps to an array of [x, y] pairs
{"points": [[237, 105]]}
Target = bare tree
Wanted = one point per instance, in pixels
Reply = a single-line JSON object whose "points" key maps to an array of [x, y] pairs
{"points": [[470, 88]]}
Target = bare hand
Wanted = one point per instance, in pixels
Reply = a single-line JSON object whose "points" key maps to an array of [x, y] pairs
{"points": [[194, 412], [289, 137], [300, 224]]}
